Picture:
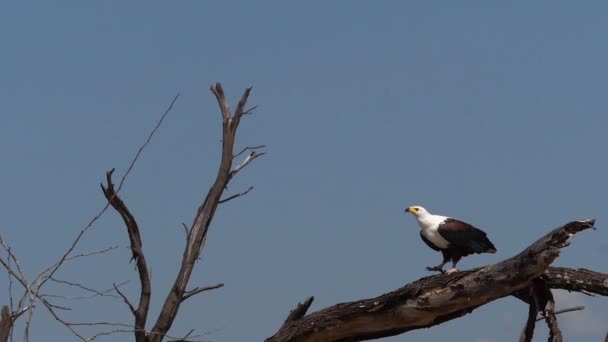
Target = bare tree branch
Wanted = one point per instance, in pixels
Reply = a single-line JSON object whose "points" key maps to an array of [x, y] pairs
{"points": [[435, 299], [248, 148], [130, 331], [103, 210], [250, 110], [124, 298], [240, 108], [218, 91], [561, 311], [198, 290], [95, 293], [185, 229], [197, 235], [299, 311], [547, 304], [141, 313], [251, 157], [33, 289], [236, 195], [528, 332], [72, 257], [576, 279]]}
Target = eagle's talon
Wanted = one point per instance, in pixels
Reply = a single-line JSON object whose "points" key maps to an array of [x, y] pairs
{"points": [[452, 270], [435, 268]]}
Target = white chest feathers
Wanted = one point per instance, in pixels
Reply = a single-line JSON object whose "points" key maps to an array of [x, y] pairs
{"points": [[435, 238], [429, 225]]}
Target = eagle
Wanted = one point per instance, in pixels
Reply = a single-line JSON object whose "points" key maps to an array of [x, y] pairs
{"points": [[453, 238]]}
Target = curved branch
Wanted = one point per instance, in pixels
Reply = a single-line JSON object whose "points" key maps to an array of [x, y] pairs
{"points": [[436, 299], [141, 313]]}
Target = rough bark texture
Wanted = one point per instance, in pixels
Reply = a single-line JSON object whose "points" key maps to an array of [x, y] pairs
{"points": [[576, 279], [439, 298]]}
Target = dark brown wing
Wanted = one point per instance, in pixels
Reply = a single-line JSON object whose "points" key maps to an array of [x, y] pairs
{"points": [[429, 243], [466, 237]]}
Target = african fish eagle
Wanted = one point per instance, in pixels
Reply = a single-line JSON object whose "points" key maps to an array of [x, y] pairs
{"points": [[455, 239]]}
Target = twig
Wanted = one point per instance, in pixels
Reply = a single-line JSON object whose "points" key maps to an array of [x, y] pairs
{"points": [[187, 335], [124, 298], [251, 157], [15, 260], [48, 273], [185, 229], [103, 210], [250, 110], [236, 195], [4, 327], [96, 293], [198, 290], [574, 308], [248, 148], [72, 257], [55, 306], [20, 312], [117, 331]]}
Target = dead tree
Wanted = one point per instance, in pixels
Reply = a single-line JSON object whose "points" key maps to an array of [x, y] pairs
{"points": [[196, 237], [436, 299], [196, 234]]}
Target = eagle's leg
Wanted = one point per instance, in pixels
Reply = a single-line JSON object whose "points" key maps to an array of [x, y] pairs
{"points": [[455, 260], [439, 268]]}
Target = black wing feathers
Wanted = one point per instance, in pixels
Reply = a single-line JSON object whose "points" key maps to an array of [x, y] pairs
{"points": [[463, 235]]}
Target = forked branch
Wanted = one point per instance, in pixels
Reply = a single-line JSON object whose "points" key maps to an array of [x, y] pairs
{"points": [[197, 234]]}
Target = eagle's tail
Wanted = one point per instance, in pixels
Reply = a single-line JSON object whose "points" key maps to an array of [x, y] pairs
{"points": [[482, 246]]}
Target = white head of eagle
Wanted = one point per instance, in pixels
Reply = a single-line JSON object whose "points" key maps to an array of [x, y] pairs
{"points": [[453, 238]]}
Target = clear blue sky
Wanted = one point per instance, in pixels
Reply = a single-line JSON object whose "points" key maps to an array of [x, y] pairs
{"points": [[495, 113]]}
